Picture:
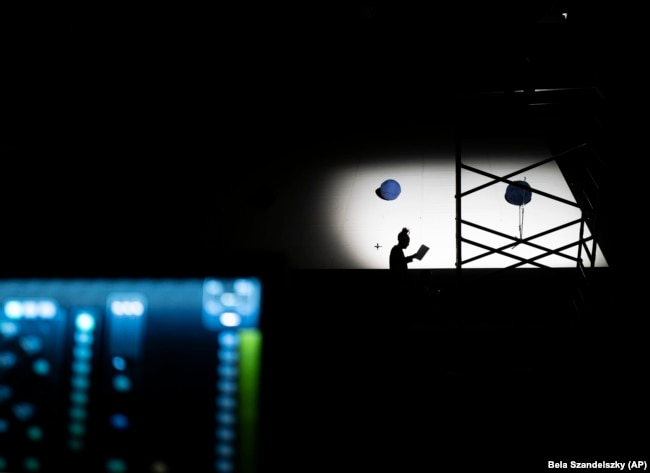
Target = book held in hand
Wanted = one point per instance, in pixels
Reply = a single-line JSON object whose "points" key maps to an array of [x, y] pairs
{"points": [[421, 252]]}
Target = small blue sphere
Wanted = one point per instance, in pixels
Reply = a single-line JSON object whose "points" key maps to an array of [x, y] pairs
{"points": [[390, 189]]}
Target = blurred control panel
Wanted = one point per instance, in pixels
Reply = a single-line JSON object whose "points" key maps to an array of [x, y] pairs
{"points": [[142, 375]]}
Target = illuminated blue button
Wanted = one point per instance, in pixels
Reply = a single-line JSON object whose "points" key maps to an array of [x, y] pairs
{"points": [[85, 322], [6, 392], [79, 397], [7, 359], [226, 402], [81, 367], [228, 356], [83, 338], [82, 352], [115, 465], [227, 370], [80, 382], [119, 421], [35, 433], [8, 329], [224, 450], [225, 434], [224, 466], [121, 383], [226, 418], [31, 344], [119, 363], [227, 387], [24, 410], [77, 428], [41, 367], [31, 464], [78, 413], [229, 339]]}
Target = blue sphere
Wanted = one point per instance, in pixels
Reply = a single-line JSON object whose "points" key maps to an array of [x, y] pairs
{"points": [[390, 189]]}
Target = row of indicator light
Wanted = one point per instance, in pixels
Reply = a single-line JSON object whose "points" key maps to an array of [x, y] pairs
{"points": [[226, 401], [84, 324]]}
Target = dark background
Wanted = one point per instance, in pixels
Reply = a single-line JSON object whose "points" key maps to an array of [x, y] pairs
{"points": [[121, 129]]}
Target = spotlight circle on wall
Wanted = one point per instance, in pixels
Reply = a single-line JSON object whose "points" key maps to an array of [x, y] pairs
{"points": [[516, 195], [389, 189]]}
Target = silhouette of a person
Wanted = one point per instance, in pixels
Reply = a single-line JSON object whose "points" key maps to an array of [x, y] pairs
{"points": [[398, 260]]}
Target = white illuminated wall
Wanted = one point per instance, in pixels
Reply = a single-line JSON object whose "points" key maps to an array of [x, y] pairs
{"points": [[327, 215]]}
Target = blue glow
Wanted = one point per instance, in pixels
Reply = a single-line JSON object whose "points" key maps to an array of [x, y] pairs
{"points": [[115, 465], [225, 434], [30, 309], [31, 464], [7, 359], [81, 367], [79, 397], [4, 425], [80, 381], [83, 338], [78, 413], [31, 344], [224, 450], [77, 428], [35, 433], [23, 410], [119, 421], [226, 418], [224, 466], [3, 463], [231, 303], [85, 322], [131, 305], [8, 329], [226, 386], [119, 363], [227, 370], [121, 383], [41, 367], [228, 356], [82, 352], [229, 339], [230, 319], [5, 392], [75, 444], [226, 402]]}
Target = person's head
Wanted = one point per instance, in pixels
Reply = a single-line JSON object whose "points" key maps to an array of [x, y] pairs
{"points": [[403, 238]]}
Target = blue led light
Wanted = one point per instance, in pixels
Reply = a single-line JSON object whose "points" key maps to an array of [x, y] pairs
{"points": [[5, 392], [81, 367], [31, 464], [8, 329], [82, 352], [4, 425], [119, 421], [34, 433], [85, 322], [115, 465], [41, 367], [224, 466], [229, 339], [23, 410], [80, 382], [78, 413], [31, 344], [119, 363], [121, 383], [227, 370], [77, 428], [78, 397], [7, 359]]}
